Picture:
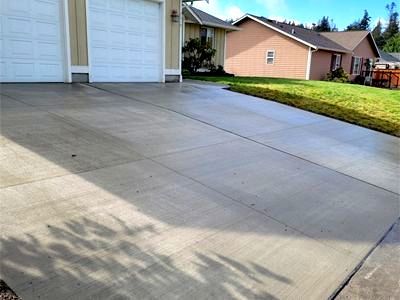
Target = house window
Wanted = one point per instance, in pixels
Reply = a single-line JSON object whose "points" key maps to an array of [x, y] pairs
{"points": [[270, 57], [356, 65], [207, 36], [336, 62]]}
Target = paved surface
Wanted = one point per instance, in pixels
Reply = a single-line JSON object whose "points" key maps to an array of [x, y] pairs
{"points": [[379, 277], [184, 191]]}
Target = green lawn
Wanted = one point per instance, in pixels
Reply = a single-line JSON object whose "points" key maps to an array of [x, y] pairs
{"points": [[370, 107]]}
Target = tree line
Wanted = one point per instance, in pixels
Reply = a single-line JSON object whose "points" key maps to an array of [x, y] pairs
{"points": [[386, 38]]}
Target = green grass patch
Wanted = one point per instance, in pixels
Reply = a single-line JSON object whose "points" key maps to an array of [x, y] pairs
{"points": [[370, 107]]}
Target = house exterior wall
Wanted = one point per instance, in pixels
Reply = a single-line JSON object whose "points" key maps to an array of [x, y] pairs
{"points": [[246, 53], [363, 50], [320, 64], [172, 35], [192, 31], [78, 34], [321, 60]]}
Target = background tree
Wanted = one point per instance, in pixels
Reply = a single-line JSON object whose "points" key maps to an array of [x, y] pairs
{"points": [[393, 26], [393, 44], [323, 25], [378, 36], [362, 24]]}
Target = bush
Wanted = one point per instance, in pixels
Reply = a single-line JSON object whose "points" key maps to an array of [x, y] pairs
{"points": [[196, 55], [338, 75]]}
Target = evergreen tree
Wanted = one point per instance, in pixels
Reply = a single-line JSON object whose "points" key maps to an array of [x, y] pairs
{"points": [[378, 36], [362, 24], [365, 21], [323, 25], [393, 26]]}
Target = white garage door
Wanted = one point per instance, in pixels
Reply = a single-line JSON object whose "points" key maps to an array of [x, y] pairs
{"points": [[125, 41], [30, 41]]}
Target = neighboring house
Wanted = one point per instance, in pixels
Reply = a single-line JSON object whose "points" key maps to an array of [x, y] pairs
{"points": [[99, 41], [208, 29], [269, 48], [388, 60]]}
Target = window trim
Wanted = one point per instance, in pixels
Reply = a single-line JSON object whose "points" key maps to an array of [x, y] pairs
{"points": [[212, 35], [356, 72], [337, 65], [269, 57]]}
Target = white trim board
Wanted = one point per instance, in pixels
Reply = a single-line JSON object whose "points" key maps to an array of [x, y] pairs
{"points": [[172, 72], [80, 69]]}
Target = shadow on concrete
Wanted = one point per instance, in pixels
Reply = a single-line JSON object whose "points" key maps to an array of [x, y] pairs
{"points": [[73, 263]]}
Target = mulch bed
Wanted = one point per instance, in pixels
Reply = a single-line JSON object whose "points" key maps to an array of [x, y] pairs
{"points": [[6, 293]]}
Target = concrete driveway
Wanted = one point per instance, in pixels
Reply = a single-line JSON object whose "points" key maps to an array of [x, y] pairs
{"points": [[187, 191]]}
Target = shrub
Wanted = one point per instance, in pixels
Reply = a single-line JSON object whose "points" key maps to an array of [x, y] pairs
{"points": [[338, 75], [197, 56]]}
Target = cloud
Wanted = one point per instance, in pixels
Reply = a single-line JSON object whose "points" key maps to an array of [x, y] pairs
{"points": [[215, 8]]}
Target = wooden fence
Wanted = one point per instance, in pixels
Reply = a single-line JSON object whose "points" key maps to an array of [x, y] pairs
{"points": [[382, 78]]}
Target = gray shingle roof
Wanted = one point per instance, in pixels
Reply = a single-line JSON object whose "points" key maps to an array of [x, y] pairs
{"points": [[387, 57], [198, 16], [308, 36]]}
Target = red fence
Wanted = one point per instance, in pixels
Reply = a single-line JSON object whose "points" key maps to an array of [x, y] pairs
{"points": [[383, 78]]}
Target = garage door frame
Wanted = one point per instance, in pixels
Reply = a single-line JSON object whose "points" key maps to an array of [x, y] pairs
{"points": [[65, 45], [162, 37]]}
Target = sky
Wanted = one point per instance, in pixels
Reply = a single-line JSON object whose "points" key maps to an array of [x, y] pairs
{"points": [[343, 12]]}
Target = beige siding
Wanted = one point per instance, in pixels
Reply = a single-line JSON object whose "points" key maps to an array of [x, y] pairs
{"points": [[219, 45], [192, 31], [78, 36], [172, 34], [246, 53]]}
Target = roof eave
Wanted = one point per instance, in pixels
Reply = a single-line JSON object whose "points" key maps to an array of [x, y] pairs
{"points": [[276, 29], [193, 13], [334, 50], [227, 27]]}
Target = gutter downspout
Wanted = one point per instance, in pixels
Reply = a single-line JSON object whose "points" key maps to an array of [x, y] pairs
{"points": [[181, 38], [309, 59]]}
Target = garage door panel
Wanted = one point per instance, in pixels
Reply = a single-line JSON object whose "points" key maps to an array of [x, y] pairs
{"points": [[46, 9], [18, 27], [99, 37], [16, 8], [98, 19], [32, 48], [117, 37], [102, 4], [47, 30], [135, 8], [48, 51], [117, 21], [125, 44]]}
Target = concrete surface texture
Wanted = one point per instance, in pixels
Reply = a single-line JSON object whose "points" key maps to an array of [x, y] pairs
{"points": [[379, 276], [151, 191]]}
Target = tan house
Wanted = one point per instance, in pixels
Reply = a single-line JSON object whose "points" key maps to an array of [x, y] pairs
{"points": [[207, 28], [268, 48], [90, 40]]}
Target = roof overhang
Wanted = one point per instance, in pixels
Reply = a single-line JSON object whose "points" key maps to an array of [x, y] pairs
{"points": [[274, 28], [204, 23], [287, 34]]}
